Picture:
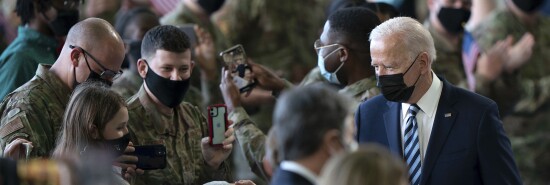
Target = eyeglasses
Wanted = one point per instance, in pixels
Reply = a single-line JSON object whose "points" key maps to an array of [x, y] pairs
{"points": [[317, 45], [106, 74]]}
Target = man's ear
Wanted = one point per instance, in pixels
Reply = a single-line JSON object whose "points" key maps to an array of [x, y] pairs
{"points": [[142, 67], [424, 62], [75, 55], [344, 53], [333, 141], [94, 132]]}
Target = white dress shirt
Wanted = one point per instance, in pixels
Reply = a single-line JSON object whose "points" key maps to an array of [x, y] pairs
{"points": [[297, 168], [426, 116]]}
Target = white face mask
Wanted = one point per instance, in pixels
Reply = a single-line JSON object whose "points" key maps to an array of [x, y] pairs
{"points": [[331, 77]]}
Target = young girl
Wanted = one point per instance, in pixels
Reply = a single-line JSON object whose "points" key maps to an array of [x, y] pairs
{"points": [[94, 123]]}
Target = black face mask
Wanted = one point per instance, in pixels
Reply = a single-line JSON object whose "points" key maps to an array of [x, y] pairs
{"points": [[63, 22], [93, 76], [453, 19], [528, 6], [210, 6], [393, 87], [168, 92], [116, 146]]}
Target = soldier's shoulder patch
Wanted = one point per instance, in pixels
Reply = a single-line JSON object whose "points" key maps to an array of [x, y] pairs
{"points": [[11, 127]]}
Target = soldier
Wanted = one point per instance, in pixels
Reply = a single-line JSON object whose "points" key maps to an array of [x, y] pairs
{"points": [[42, 21], [211, 40], [520, 83], [34, 111], [445, 23], [342, 49], [157, 114]]}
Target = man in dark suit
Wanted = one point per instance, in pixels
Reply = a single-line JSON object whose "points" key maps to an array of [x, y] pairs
{"points": [[445, 134], [310, 125]]}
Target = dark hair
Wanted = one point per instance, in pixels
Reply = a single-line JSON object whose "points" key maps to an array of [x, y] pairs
{"points": [[166, 37], [303, 116], [355, 23], [25, 8]]}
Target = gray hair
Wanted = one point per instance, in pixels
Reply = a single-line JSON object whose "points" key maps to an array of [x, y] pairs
{"points": [[413, 35], [304, 115]]}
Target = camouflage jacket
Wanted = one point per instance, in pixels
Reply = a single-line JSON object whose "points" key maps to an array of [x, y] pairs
{"points": [[181, 132], [34, 112], [529, 86], [448, 62]]}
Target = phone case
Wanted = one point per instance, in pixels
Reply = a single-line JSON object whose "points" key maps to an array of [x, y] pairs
{"points": [[217, 124], [150, 157]]}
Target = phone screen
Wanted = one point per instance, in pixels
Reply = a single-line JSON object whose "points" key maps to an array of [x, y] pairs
{"points": [[217, 118], [235, 61]]}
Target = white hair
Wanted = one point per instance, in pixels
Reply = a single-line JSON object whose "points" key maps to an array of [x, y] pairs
{"points": [[410, 32]]}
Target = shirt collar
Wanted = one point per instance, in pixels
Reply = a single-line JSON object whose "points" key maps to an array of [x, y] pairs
{"points": [[297, 168], [429, 101], [359, 87]]}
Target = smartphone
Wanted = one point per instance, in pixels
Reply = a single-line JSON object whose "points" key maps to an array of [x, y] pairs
{"points": [[235, 61], [150, 157], [189, 30], [217, 124]]}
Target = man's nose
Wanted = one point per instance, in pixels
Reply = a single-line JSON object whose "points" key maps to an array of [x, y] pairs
{"points": [[176, 76]]}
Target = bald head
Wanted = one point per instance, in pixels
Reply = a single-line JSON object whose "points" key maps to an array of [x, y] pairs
{"points": [[100, 39]]}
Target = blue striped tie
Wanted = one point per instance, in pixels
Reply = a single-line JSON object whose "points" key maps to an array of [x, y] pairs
{"points": [[412, 148]]}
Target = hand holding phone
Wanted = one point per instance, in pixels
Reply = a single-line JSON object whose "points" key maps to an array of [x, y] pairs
{"points": [[236, 61], [217, 124]]}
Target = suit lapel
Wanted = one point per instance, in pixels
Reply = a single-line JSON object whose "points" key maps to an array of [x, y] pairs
{"points": [[443, 122], [393, 131]]}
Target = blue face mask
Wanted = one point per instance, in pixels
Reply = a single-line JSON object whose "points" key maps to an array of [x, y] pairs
{"points": [[331, 77]]}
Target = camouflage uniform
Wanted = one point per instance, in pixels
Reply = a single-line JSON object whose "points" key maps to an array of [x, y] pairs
{"points": [[129, 83], [34, 112], [251, 139], [448, 62], [525, 93], [181, 132]]}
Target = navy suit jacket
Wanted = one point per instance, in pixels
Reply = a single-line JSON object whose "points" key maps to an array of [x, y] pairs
{"points": [[467, 144], [283, 177]]}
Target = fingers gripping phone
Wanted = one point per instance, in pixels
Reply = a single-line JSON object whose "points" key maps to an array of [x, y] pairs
{"points": [[217, 124], [150, 157], [235, 60]]}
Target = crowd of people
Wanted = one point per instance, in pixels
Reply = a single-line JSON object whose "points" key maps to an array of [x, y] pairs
{"points": [[402, 92]]}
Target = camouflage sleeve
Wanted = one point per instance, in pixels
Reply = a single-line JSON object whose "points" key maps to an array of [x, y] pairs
{"points": [[20, 120], [251, 140], [491, 30]]}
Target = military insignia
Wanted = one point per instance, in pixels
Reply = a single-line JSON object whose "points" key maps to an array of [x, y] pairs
{"points": [[11, 127], [448, 115]]}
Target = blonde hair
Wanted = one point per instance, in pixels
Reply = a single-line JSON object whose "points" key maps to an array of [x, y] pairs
{"points": [[92, 103], [411, 34], [370, 165]]}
